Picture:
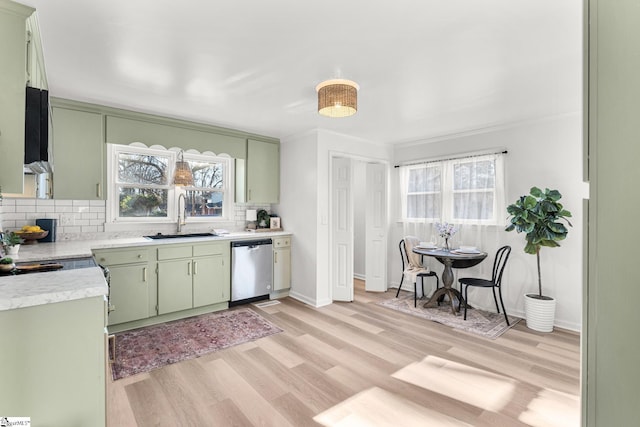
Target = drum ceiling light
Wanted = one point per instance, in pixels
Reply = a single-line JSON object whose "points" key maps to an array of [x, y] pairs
{"points": [[337, 98], [183, 174]]}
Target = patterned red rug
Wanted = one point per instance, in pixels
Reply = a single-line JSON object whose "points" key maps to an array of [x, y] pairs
{"points": [[145, 349]]}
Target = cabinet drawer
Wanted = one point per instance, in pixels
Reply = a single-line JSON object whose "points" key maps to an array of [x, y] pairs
{"points": [[281, 242], [172, 252], [122, 257], [211, 249]]}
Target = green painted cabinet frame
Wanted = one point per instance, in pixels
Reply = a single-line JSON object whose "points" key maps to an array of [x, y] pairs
{"points": [[79, 154], [54, 363], [13, 76], [262, 172]]}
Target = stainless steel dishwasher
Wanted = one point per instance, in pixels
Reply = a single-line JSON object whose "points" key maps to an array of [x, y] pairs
{"points": [[251, 270]]}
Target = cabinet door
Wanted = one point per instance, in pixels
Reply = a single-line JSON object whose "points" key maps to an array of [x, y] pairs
{"points": [[78, 151], [211, 284], [12, 94], [174, 286], [281, 269], [263, 172], [129, 293]]}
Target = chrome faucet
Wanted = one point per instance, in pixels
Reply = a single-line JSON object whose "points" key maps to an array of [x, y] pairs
{"points": [[182, 221]]}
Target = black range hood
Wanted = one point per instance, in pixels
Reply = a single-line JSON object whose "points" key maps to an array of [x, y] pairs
{"points": [[36, 135]]}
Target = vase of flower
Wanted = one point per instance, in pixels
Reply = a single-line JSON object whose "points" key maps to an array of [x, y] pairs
{"points": [[446, 231]]}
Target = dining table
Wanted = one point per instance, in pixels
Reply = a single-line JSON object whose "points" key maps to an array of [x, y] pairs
{"points": [[450, 258]]}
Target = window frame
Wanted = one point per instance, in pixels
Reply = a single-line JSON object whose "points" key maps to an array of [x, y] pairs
{"points": [[448, 191], [173, 191]]}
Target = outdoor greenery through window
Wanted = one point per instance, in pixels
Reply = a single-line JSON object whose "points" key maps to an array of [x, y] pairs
{"points": [[143, 185], [205, 198], [465, 190], [142, 179]]}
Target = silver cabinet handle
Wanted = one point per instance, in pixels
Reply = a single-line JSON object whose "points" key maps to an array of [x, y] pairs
{"points": [[189, 268], [195, 268], [275, 257], [144, 274], [98, 190]]}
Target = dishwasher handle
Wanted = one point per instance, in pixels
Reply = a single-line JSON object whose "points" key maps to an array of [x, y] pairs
{"points": [[251, 243]]}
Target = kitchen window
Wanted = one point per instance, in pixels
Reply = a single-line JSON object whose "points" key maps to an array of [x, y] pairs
{"points": [[463, 190], [142, 189]]}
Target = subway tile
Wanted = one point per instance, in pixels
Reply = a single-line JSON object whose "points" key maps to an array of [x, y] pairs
{"points": [[97, 203], [70, 229], [8, 202], [63, 202], [80, 209], [11, 216], [81, 203], [89, 215], [81, 222], [42, 203], [97, 209], [25, 202], [89, 229], [99, 222], [64, 209]]}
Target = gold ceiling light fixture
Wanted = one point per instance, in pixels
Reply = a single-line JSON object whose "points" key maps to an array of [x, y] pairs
{"points": [[337, 98], [183, 174]]}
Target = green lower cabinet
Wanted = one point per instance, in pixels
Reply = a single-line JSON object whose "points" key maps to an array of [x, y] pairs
{"points": [[193, 276], [129, 293], [211, 280], [54, 363], [190, 283], [132, 284], [175, 288]]}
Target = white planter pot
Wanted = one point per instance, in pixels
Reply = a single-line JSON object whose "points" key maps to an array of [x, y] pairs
{"points": [[540, 313], [13, 250]]}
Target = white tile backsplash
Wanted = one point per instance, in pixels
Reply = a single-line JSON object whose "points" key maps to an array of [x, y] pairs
{"points": [[85, 219]]}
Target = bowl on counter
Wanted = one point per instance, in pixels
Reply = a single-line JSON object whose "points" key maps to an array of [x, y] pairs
{"points": [[31, 237], [7, 268]]}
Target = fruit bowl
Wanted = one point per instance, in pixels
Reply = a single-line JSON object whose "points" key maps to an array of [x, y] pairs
{"points": [[31, 237]]}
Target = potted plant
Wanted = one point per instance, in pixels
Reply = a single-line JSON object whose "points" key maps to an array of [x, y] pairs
{"points": [[538, 215], [6, 265], [11, 243]]}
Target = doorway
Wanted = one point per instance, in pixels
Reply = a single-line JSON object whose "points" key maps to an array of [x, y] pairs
{"points": [[358, 225]]}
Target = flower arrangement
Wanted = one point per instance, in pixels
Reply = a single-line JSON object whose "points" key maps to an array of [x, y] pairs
{"points": [[446, 231]]}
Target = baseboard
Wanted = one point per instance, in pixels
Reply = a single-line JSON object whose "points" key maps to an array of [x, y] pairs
{"points": [[359, 276]]}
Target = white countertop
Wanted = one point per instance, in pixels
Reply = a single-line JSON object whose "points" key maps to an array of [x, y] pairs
{"points": [[27, 290]]}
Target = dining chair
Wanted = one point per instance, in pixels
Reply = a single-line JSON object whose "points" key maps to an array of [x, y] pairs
{"points": [[500, 261], [415, 269]]}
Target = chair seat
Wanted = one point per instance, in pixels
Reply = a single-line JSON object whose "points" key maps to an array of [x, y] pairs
{"points": [[472, 281], [427, 274]]}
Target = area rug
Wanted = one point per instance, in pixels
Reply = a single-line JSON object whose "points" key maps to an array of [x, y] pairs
{"points": [[486, 324], [145, 349]]}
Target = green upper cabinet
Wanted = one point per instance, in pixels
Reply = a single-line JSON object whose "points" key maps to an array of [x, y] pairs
{"points": [[13, 79], [78, 154], [263, 172]]}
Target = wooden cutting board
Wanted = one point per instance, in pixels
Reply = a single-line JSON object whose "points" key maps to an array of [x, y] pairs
{"points": [[31, 268]]}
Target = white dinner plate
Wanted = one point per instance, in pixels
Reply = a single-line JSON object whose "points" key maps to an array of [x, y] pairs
{"points": [[467, 251]]}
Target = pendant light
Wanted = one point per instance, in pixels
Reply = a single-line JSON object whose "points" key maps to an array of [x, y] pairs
{"points": [[337, 98], [183, 175]]}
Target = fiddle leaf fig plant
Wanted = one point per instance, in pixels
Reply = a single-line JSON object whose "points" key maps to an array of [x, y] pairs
{"points": [[538, 215]]}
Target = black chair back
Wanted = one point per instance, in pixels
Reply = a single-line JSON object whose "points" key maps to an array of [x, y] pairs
{"points": [[502, 255]]}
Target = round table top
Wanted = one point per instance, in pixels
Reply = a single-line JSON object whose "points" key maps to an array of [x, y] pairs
{"points": [[460, 259]]}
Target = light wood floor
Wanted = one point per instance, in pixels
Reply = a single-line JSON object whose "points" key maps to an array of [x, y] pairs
{"points": [[357, 364]]}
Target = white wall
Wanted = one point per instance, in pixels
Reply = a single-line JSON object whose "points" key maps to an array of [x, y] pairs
{"points": [[544, 154], [305, 204], [298, 210]]}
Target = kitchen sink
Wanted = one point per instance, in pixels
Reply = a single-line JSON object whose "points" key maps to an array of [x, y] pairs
{"points": [[177, 236]]}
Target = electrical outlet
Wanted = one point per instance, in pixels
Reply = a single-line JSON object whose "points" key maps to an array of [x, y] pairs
{"points": [[66, 220]]}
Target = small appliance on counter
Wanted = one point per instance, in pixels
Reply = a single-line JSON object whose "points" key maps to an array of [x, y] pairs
{"points": [[49, 225]]}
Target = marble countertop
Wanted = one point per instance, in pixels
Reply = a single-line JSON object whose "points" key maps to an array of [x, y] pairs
{"points": [[27, 290]]}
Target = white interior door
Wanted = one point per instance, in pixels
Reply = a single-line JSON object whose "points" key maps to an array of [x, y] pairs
{"points": [[376, 228], [341, 230]]}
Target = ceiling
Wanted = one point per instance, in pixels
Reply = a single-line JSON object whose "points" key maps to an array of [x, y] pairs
{"points": [[426, 68]]}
